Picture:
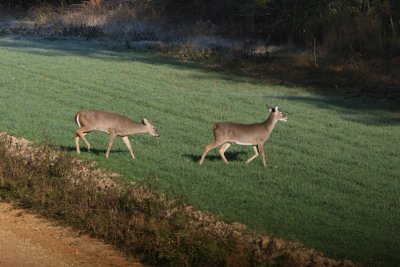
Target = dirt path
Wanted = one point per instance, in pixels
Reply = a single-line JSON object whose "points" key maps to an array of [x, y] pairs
{"points": [[28, 240]]}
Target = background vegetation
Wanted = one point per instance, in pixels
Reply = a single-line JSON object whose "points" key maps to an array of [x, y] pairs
{"points": [[369, 27], [333, 176]]}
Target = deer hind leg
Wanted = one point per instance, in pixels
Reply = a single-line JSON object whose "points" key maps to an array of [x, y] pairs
{"points": [[222, 151], [207, 149], [253, 157], [80, 133], [128, 145], [110, 142], [78, 149]]}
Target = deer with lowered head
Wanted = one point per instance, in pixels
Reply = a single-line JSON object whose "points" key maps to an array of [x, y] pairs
{"points": [[111, 123], [255, 135]]}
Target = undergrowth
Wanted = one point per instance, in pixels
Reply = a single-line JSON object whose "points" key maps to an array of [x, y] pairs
{"points": [[138, 220], [138, 224]]}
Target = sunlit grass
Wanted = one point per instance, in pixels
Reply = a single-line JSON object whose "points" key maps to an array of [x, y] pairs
{"points": [[333, 180]]}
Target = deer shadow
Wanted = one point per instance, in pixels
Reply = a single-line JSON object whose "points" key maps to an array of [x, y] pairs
{"points": [[95, 151], [230, 156]]}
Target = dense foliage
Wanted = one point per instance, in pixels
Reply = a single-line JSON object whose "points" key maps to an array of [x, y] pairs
{"points": [[26, 4], [365, 26]]}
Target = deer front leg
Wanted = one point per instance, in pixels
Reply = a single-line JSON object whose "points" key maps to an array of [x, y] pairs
{"points": [[253, 157], [260, 147], [128, 145], [222, 151], [110, 142]]}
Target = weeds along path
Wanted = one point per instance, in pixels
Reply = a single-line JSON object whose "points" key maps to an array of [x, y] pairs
{"points": [[28, 240], [151, 225]]}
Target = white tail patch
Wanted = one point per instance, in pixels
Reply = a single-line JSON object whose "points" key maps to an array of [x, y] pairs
{"points": [[77, 120]]}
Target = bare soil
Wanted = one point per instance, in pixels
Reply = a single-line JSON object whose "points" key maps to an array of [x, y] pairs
{"points": [[29, 240]]}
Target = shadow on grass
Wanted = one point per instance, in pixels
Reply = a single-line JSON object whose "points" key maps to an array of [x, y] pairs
{"points": [[230, 156], [356, 111], [95, 151], [360, 99]]}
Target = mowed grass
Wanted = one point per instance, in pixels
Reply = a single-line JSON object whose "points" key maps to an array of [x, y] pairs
{"points": [[333, 180]]}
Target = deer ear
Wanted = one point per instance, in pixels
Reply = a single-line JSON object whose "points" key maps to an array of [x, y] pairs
{"points": [[145, 121], [272, 109]]}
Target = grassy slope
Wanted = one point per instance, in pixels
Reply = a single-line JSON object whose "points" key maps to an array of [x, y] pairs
{"points": [[333, 180]]}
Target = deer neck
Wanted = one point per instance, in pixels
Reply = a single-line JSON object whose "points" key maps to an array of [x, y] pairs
{"points": [[138, 128], [270, 123]]}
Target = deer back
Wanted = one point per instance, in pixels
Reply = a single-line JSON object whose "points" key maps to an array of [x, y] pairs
{"points": [[106, 121]]}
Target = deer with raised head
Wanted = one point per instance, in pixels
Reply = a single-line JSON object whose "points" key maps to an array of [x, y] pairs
{"points": [[255, 135], [111, 123]]}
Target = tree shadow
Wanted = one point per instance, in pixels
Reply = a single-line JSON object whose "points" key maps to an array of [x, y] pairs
{"points": [[356, 111], [361, 96]]}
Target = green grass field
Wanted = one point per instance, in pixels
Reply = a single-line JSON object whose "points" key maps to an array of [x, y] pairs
{"points": [[333, 181]]}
